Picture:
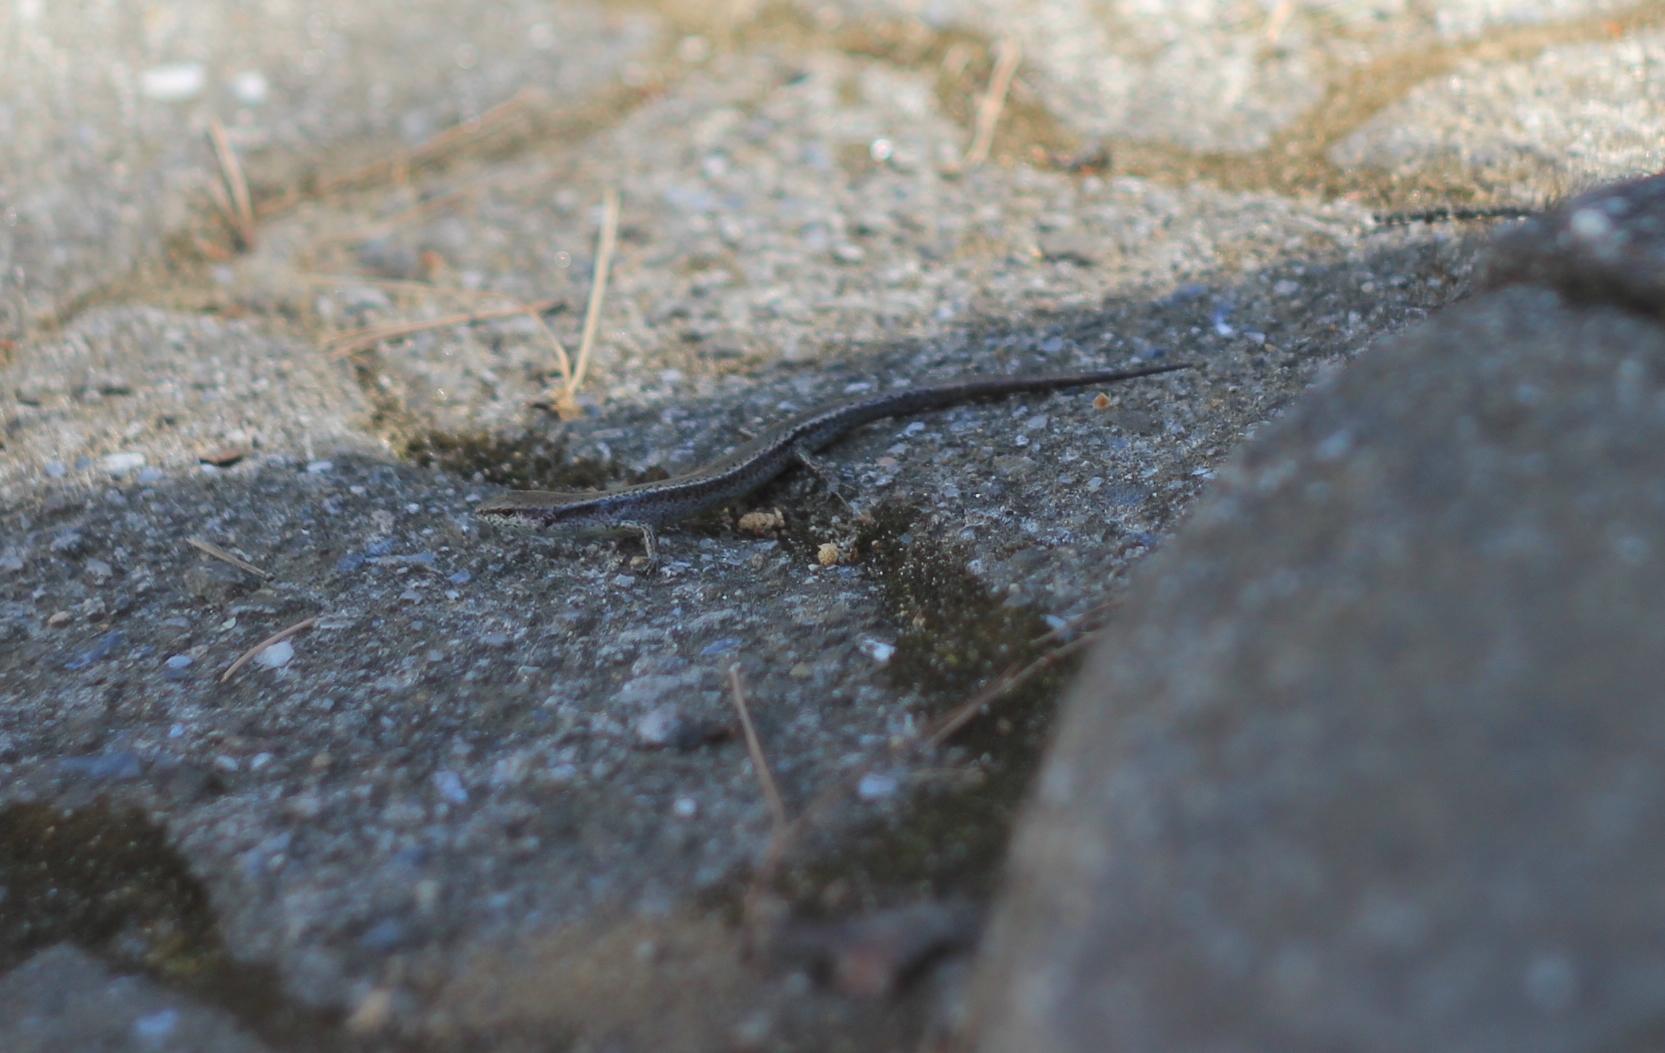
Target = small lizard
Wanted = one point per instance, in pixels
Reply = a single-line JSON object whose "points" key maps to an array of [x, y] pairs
{"points": [[645, 506]]}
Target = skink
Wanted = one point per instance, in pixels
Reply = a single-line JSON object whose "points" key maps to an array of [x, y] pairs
{"points": [[646, 506]]}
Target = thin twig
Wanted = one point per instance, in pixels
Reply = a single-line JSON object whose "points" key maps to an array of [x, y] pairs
{"points": [[944, 728], [938, 732], [777, 809], [1007, 54], [567, 403], [532, 311], [399, 285], [242, 218], [208, 548], [275, 638], [347, 343], [1278, 19], [437, 203], [222, 201], [1076, 623], [456, 135]]}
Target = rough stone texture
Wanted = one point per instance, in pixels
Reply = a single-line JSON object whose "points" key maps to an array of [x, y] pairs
{"points": [[1374, 759], [1585, 112], [1607, 246], [64, 999], [143, 393], [1218, 75], [492, 798], [105, 108]]}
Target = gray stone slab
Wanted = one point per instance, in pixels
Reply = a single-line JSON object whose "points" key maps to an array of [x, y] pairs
{"points": [[1574, 115], [138, 394], [63, 999], [1606, 246], [1216, 75], [105, 111], [1374, 760], [453, 812]]}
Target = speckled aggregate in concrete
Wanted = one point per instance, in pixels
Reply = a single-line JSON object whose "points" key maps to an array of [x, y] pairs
{"points": [[445, 799]]}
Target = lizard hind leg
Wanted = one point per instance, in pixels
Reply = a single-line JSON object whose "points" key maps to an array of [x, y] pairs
{"points": [[822, 472], [650, 540]]}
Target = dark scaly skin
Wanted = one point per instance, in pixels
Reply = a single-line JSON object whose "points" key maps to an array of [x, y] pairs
{"points": [[646, 506]]}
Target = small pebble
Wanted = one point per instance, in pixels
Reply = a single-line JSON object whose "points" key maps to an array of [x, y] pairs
{"points": [[662, 726], [68, 543], [99, 651], [373, 1013], [723, 646], [250, 87], [450, 787], [56, 471], [148, 476], [226, 764], [877, 785], [99, 570], [155, 1027], [174, 82], [384, 936], [801, 671], [685, 808], [122, 463], [276, 656], [59, 619], [877, 650], [319, 467]]}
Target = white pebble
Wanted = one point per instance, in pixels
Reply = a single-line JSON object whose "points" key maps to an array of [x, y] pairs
{"points": [[877, 785], [250, 87], [276, 656], [877, 650], [450, 786], [174, 82], [122, 463]]}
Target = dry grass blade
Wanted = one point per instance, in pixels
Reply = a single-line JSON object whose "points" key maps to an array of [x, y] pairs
{"points": [[566, 404], [1278, 19], [1007, 54], [432, 205], [208, 548], [532, 311], [458, 134], [355, 340], [239, 210], [248, 656], [760, 764], [962, 715]]}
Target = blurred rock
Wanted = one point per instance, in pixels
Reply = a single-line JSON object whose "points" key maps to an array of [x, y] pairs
{"points": [[1374, 758]]}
